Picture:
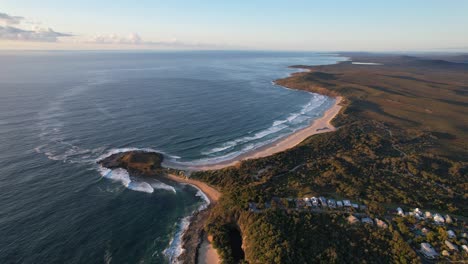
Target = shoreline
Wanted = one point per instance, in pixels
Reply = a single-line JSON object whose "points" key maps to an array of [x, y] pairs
{"points": [[317, 126], [206, 253]]}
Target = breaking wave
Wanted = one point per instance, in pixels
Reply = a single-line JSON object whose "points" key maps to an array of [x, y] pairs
{"points": [[175, 248], [135, 184]]}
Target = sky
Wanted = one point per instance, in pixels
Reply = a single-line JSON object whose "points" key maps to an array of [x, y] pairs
{"points": [[300, 25]]}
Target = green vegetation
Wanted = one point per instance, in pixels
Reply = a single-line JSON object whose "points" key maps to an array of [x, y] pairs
{"points": [[402, 139]]}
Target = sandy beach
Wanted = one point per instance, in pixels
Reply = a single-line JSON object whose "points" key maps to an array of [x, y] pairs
{"points": [[209, 191], [320, 125], [206, 253]]}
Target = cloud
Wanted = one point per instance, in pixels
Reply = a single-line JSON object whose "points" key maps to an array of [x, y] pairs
{"points": [[10, 20], [39, 35], [133, 39], [9, 32]]}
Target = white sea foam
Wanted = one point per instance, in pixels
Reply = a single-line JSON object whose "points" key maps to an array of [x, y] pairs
{"points": [[118, 175], [163, 186], [175, 248], [140, 187], [366, 63], [279, 126]]}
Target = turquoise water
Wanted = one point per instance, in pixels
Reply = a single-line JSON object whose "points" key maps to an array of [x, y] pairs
{"points": [[61, 111]]}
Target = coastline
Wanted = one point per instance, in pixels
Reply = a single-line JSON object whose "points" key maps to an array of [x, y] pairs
{"points": [[206, 253], [318, 126]]}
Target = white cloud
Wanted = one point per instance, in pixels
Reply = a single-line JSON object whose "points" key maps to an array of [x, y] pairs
{"points": [[135, 40], [6, 19], [39, 35], [116, 39], [9, 32]]}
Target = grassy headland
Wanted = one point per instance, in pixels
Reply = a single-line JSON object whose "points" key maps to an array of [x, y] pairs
{"points": [[402, 140]]}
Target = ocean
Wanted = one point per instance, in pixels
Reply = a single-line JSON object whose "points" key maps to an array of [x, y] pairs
{"points": [[62, 111]]}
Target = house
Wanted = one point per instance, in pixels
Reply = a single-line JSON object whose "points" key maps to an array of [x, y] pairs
{"points": [[300, 203], [428, 251], [445, 253], [355, 206], [438, 219], [451, 234], [307, 202], [339, 203], [448, 219], [314, 201], [400, 211], [347, 203], [465, 248], [331, 203], [253, 207], [425, 230], [428, 214], [363, 207], [352, 219], [367, 220], [451, 246], [323, 201], [380, 223], [417, 211]]}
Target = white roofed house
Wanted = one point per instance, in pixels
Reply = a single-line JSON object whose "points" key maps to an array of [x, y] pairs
{"points": [[307, 202], [400, 211], [323, 201], [451, 234], [465, 248], [428, 251], [339, 203], [380, 223], [451, 246], [331, 203], [448, 219], [428, 214], [438, 219], [367, 220], [314, 201], [347, 203]]}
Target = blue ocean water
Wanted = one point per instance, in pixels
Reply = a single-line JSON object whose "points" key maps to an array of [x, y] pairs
{"points": [[61, 111]]}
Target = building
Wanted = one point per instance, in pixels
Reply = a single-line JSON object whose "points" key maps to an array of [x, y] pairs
{"points": [[253, 207], [339, 203], [323, 201], [465, 248], [400, 211], [331, 203], [367, 220], [307, 202], [438, 219], [380, 223], [355, 206], [363, 207], [451, 234], [445, 253], [300, 203], [314, 201], [428, 214], [451, 246], [352, 219], [428, 251], [448, 219], [347, 203]]}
